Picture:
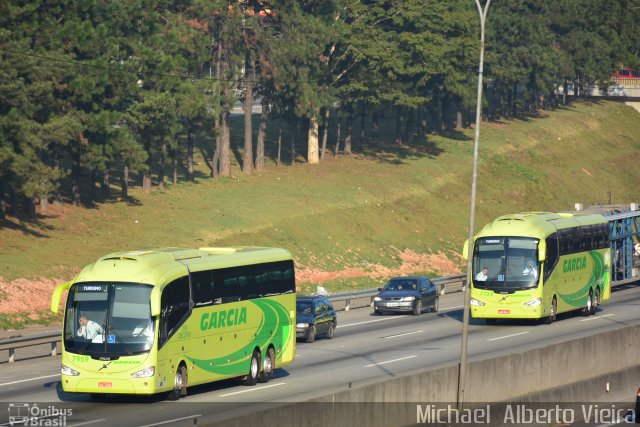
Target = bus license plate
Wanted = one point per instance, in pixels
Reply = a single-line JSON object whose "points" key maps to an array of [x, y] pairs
{"points": [[105, 385], [504, 311]]}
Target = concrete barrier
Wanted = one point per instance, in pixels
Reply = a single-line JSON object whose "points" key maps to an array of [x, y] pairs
{"points": [[574, 371]]}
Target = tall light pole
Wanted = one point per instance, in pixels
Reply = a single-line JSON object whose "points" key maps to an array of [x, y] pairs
{"points": [[472, 212]]}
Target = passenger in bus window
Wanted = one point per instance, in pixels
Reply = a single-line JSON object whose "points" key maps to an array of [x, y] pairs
{"points": [[530, 270], [483, 275]]}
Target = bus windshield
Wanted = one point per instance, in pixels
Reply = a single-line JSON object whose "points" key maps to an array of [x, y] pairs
{"points": [[108, 319], [505, 263]]}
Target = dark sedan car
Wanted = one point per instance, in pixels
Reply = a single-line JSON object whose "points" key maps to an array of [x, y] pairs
{"points": [[315, 316], [407, 294]]}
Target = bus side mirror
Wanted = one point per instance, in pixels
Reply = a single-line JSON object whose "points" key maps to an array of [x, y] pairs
{"points": [[542, 253], [465, 249], [155, 301], [57, 293]]}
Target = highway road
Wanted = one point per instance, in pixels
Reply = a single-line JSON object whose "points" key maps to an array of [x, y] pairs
{"points": [[365, 348]]}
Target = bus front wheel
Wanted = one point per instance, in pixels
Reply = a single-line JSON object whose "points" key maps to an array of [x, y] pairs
{"points": [[179, 384], [254, 369], [553, 311]]}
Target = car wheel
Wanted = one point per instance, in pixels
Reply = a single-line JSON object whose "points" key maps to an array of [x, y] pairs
{"points": [[312, 334], [417, 310], [330, 330], [254, 369], [377, 312], [436, 305], [268, 366]]}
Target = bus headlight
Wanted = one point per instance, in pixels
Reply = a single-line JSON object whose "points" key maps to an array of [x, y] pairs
{"points": [[146, 372], [475, 302], [302, 325], [408, 298], [533, 303], [65, 370], [377, 299]]}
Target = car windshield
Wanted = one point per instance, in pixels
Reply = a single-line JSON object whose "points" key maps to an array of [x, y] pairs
{"points": [[401, 285], [303, 306], [505, 263], [108, 319]]}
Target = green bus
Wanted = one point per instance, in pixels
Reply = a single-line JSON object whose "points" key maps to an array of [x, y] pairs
{"points": [[535, 265], [146, 322]]}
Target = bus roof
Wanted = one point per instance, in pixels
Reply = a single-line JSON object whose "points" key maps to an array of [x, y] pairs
{"points": [[538, 224], [154, 266]]}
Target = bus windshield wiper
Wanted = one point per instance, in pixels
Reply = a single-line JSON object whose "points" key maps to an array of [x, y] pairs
{"points": [[126, 347], [90, 340]]}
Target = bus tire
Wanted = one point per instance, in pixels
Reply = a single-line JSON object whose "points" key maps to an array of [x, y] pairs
{"points": [[553, 312], [595, 301], [179, 384], [254, 369], [268, 366]]}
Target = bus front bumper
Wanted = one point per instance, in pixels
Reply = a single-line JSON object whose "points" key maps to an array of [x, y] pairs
{"points": [[507, 312], [84, 384]]}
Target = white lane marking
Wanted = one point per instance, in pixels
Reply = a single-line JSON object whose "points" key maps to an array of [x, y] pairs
{"points": [[390, 361], [451, 308], [86, 422], [401, 335], [30, 379], [596, 317], [370, 321], [172, 421], [251, 389], [508, 336]]}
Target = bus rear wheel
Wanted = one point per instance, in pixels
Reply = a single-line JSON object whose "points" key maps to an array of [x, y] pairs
{"points": [[268, 366], [595, 301], [254, 369]]}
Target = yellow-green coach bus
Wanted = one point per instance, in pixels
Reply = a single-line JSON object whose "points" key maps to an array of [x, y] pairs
{"points": [[155, 321], [535, 265]]}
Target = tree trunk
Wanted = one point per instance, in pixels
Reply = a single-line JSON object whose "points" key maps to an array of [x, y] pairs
{"points": [[146, 175], [262, 134], [348, 136], [163, 163], [408, 127], [398, 126], [225, 146], [216, 121], [190, 175], [279, 146], [247, 158], [337, 150], [75, 180], [31, 206], [93, 193], [363, 118], [176, 162], [375, 127], [293, 150], [13, 196], [106, 184], [44, 204], [3, 206], [325, 132], [125, 181], [312, 142], [459, 120]]}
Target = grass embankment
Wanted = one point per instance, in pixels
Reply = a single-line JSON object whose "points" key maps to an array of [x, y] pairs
{"points": [[384, 212]]}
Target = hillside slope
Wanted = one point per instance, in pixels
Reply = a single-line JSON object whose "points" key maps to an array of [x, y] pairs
{"points": [[351, 221]]}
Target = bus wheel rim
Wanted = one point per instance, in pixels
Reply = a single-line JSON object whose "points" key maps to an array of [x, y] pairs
{"points": [[254, 367]]}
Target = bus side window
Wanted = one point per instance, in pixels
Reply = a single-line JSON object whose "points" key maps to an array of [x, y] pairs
{"points": [[202, 288], [174, 305]]}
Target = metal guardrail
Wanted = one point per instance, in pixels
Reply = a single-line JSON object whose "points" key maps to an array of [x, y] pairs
{"points": [[30, 340], [53, 338]]}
